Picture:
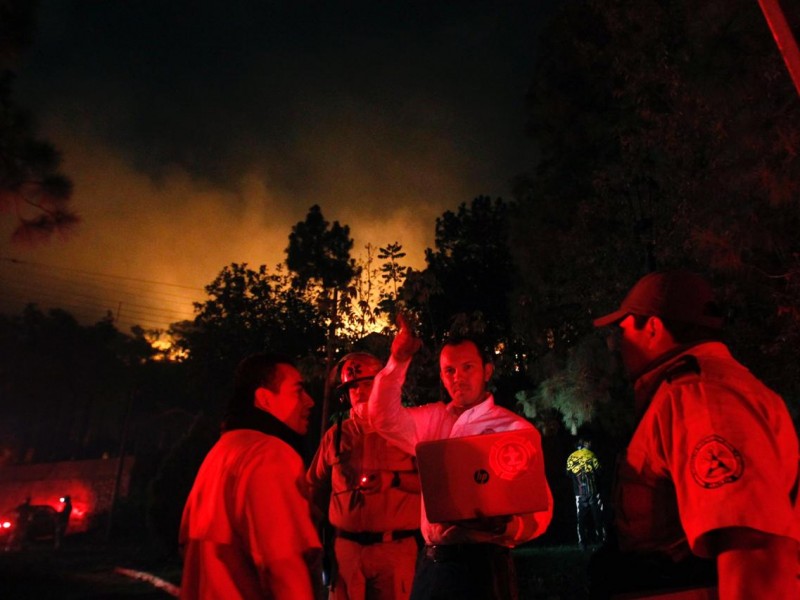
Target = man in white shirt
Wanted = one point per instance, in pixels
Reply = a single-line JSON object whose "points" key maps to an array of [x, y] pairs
{"points": [[470, 559]]}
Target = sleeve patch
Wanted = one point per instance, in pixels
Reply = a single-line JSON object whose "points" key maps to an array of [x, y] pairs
{"points": [[716, 462]]}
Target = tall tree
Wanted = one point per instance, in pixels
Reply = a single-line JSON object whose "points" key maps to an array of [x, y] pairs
{"points": [[319, 255], [359, 315], [393, 275], [319, 252], [472, 266]]}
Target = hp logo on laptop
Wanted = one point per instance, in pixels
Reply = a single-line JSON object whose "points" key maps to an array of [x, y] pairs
{"points": [[481, 476]]}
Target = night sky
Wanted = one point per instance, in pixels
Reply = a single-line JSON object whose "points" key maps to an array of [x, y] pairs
{"points": [[197, 133]]}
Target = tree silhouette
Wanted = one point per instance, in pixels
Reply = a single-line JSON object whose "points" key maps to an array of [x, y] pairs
{"points": [[247, 310], [319, 255], [472, 267], [393, 274], [32, 188], [319, 252]]}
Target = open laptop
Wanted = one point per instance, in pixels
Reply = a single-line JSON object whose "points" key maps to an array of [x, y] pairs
{"points": [[482, 475]]}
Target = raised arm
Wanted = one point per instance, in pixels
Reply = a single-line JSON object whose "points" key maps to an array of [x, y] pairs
{"points": [[386, 413], [405, 343]]}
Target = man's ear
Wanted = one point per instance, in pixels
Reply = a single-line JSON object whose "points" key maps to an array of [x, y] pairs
{"points": [[659, 334], [654, 327], [263, 399], [488, 370]]}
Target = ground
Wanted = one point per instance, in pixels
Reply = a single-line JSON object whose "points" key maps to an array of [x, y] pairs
{"points": [[85, 569], [552, 572], [82, 569]]}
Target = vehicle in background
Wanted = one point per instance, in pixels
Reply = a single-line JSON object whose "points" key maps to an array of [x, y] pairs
{"points": [[41, 522]]}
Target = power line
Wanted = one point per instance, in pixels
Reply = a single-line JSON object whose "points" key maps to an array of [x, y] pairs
{"points": [[101, 307], [41, 290], [129, 300], [97, 274], [80, 311], [127, 286], [109, 287]]}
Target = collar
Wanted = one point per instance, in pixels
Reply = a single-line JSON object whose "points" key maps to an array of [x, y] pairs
{"points": [[654, 373], [481, 407], [267, 423]]}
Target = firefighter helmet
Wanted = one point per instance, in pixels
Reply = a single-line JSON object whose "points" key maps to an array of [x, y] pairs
{"points": [[359, 366]]}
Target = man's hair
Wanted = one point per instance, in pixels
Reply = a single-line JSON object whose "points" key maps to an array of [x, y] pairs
{"points": [[255, 371], [682, 332], [458, 339]]}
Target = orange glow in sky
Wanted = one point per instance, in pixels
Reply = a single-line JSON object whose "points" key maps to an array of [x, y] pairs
{"points": [[385, 117], [144, 250]]}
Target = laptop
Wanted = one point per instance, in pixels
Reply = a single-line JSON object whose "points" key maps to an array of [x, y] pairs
{"points": [[482, 475]]}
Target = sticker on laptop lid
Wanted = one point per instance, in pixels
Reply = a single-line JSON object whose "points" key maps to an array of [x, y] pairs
{"points": [[509, 458]]}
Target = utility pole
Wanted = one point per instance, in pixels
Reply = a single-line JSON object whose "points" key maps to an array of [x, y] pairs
{"points": [[783, 38]]}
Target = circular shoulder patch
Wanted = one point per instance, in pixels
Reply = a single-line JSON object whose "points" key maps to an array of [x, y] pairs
{"points": [[511, 457], [716, 462]]}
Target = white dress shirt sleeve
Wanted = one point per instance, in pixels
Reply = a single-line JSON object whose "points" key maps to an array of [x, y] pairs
{"points": [[387, 414]]}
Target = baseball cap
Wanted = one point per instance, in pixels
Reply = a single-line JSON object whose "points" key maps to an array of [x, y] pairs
{"points": [[676, 295]]}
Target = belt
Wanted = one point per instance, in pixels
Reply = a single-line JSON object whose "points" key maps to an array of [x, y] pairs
{"points": [[459, 552], [367, 538]]}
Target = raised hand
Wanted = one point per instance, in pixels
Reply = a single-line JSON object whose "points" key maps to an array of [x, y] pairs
{"points": [[405, 344]]}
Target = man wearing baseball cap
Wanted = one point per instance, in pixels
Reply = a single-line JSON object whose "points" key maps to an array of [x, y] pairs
{"points": [[706, 491]]}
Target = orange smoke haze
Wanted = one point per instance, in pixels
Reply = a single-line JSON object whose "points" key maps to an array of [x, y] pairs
{"points": [[199, 138], [182, 231]]}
